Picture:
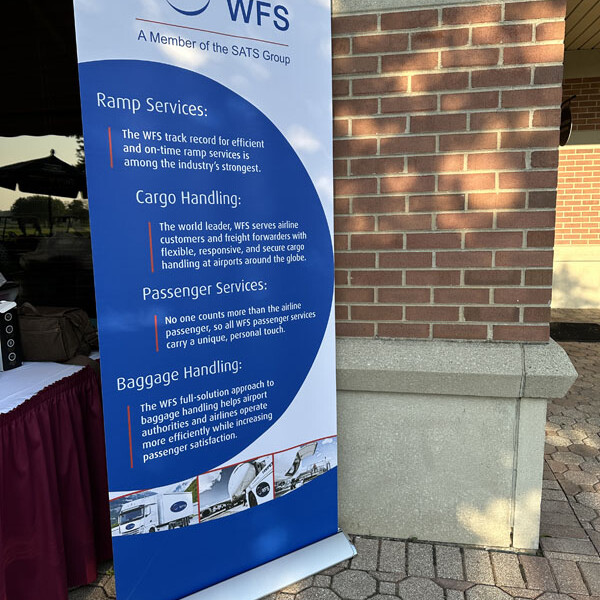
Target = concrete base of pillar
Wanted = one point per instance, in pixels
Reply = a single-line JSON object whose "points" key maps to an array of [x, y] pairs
{"points": [[444, 441]]}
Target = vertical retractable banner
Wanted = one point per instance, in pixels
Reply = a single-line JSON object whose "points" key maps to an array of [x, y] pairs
{"points": [[207, 129]]}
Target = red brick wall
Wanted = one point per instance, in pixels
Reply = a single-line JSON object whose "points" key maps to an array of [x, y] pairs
{"points": [[585, 108], [578, 199], [446, 164]]}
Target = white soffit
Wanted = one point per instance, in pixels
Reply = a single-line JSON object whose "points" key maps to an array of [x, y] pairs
{"points": [[583, 25]]}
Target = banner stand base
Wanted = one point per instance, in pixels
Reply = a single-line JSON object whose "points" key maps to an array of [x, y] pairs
{"points": [[281, 572]]}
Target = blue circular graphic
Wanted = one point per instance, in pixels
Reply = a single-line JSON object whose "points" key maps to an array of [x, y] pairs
{"points": [[178, 506], [263, 489], [189, 13], [277, 198]]}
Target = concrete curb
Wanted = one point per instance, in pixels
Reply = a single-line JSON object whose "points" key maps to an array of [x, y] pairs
{"points": [[509, 370]]}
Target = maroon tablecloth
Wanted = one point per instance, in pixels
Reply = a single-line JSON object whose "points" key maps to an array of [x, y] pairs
{"points": [[54, 518]]}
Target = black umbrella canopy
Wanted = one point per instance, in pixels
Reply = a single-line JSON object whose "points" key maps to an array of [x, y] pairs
{"points": [[49, 176]]}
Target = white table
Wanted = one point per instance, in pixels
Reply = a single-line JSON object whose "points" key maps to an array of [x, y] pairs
{"points": [[18, 385], [51, 448]]}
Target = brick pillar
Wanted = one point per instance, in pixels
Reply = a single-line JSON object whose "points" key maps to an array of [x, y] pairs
{"points": [[446, 135]]}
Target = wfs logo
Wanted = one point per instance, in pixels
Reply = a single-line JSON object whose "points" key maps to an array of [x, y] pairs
{"points": [[189, 7], [178, 506], [248, 11]]}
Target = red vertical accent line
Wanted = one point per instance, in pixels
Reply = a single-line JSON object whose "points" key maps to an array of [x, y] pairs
{"points": [[130, 442], [273, 466], [112, 165], [156, 330], [151, 251], [198, 493]]}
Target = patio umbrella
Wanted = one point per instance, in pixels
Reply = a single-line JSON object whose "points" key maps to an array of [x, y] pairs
{"points": [[47, 176]]}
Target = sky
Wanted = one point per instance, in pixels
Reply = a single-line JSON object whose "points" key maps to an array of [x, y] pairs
{"points": [[26, 147], [213, 487]]}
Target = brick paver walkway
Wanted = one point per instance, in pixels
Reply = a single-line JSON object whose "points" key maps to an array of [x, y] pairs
{"points": [[567, 566]]}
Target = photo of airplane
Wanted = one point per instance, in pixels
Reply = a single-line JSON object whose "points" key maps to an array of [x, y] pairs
{"points": [[298, 466], [236, 488]]}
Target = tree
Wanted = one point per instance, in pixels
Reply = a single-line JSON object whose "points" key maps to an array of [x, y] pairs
{"points": [[80, 153], [37, 206], [77, 210], [80, 165]]}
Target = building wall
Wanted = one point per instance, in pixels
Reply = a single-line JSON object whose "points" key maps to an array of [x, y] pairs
{"points": [[446, 134], [585, 107], [578, 201], [577, 252]]}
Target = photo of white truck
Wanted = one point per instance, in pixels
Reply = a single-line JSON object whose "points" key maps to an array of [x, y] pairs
{"points": [[156, 513]]}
